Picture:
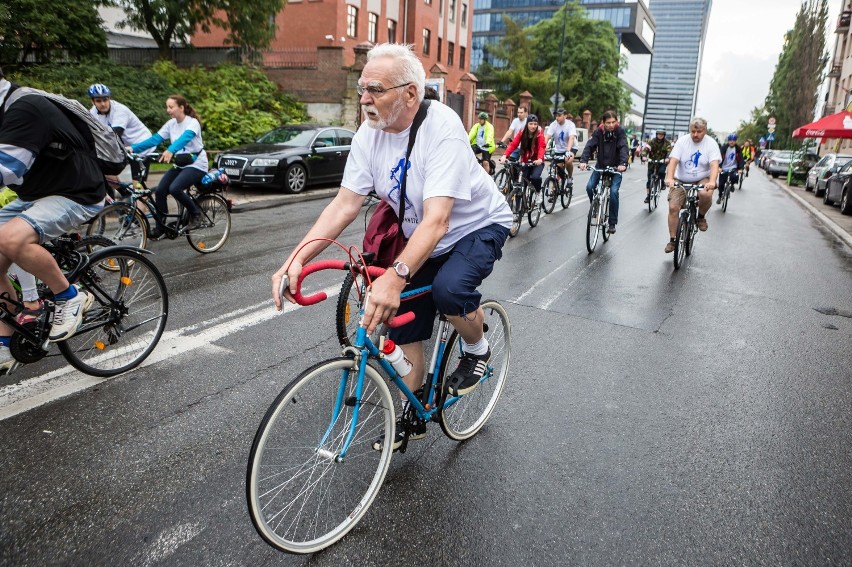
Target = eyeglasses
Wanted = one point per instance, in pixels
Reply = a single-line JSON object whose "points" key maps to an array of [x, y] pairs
{"points": [[375, 91]]}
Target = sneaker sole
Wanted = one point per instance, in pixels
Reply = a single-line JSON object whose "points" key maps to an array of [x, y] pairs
{"points": [[90, 299], [377, 446]]}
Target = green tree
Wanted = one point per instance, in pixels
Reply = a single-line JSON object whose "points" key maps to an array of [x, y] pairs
{"points": [[249, 24], [793, 90], [48, 30], [528, 59]]}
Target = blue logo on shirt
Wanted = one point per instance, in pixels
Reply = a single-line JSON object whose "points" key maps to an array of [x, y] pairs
{"points": [[396, 177], [693, 159]]}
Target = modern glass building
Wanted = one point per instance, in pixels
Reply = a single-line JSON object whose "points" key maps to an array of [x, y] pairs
{"points": [[633, 24], [676, 65]]}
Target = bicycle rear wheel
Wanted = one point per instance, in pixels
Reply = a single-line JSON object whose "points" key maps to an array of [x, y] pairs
{"points": [[301, 497], [592, 231], [550, 188], [122, 223], [127, 318], [216, 227], [680, 240], [461, 418], [534, 202], [726, 192]]}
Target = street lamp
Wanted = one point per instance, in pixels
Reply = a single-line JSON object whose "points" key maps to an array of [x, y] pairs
{"points": [[556, 100]]}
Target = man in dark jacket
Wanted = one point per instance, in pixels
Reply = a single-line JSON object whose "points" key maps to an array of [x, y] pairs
{"points": [[611, 145], [50, 164]]}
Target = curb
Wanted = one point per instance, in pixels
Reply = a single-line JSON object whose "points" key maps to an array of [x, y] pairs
{"points": [[283, 200], [830, 224]]}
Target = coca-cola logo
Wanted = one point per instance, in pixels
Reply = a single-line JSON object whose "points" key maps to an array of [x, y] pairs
{"points": [[815, 133]]}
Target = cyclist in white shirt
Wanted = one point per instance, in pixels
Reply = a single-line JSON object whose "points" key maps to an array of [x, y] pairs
{"points": [[455, 218], [563, 132], [694, 160], [190, 159], [121, 119], [517, 125]]}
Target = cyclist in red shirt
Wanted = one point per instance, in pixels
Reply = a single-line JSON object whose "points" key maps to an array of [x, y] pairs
{"points": [[531, 142]]}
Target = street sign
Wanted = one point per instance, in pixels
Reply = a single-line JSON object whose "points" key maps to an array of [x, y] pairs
{"points": [[771, 128], [770, 137], [771, 121], [557, 99]]}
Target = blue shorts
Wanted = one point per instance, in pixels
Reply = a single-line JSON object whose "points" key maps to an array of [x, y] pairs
{"points": [[50, 217], [454, 277]]}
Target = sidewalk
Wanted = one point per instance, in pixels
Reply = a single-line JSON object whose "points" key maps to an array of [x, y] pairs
{"points": [[828, 215], [254, 198]]}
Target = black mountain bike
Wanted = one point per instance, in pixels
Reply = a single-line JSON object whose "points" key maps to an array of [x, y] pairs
{"points": [[123, 324], [523, 200], [687, 227], [725, 192], [656, 184], [598, 221], [556, 185], [127, 222]]}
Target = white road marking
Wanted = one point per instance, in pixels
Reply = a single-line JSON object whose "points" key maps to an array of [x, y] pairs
{"points": [[34, 392], [170, 540]]}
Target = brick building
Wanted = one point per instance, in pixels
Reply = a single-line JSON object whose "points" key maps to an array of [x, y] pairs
{"points": [[314, 50]]}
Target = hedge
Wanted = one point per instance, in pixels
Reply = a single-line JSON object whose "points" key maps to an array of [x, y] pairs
{"points": [[236, 103]]}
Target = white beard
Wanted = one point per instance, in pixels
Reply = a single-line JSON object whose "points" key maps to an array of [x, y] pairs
{"points": [[381, 123]]}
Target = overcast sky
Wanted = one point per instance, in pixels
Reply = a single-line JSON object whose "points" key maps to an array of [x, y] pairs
{"points": [[744, 40]]}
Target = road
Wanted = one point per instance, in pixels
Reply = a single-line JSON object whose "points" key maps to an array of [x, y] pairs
{"points": [[653, 416]]}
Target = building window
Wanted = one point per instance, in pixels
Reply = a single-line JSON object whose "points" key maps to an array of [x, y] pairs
{"points": [[352, 21], [391, 31], [440, 41], [464, 16], [450, 49], [373, 28], [452, 7], [427, 35], [461, 57]]}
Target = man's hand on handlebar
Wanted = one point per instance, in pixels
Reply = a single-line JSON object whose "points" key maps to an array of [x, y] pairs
{"points": [[582, 166], [165, 157], [384, 300], [292, 276], [621, 168]]}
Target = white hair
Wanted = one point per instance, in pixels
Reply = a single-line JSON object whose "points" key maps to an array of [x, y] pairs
{"points": [[699, 123], [407, 68]]}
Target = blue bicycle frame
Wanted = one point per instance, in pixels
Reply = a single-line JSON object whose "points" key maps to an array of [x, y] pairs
{"points": [[365, 349]]}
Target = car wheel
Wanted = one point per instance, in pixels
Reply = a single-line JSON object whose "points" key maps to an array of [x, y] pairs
{"points": [[825, 197], [846, 202], [817, 192], [295, 178], [774, 175], [807, 184]]}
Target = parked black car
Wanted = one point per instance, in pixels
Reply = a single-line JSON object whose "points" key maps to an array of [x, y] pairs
{"points": [[827, 166], [291, 157], [838, 189]]}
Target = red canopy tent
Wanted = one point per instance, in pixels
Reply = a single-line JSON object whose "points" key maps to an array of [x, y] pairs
{"points": [[835, 126]]}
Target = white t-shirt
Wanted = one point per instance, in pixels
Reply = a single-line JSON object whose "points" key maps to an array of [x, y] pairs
{"points": [[517, 125], [172, 130], [560, 134], [119, 116], [730, 161], [441, 165], [693, 160]]}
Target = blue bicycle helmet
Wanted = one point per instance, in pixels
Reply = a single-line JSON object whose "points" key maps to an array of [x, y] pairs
{"points": [[99, 90], [732, 137]]}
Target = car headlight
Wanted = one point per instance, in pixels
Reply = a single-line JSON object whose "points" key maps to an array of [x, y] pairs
{"points": [[261, 162]]}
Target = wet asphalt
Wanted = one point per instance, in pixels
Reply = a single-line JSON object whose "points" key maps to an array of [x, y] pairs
{"points": [[652, 416]]}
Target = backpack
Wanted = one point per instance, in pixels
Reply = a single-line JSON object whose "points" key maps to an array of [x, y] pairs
{"points": [[106, 146]]}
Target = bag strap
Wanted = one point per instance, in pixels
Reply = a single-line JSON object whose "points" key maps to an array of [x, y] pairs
{"points": [[412, 134]]}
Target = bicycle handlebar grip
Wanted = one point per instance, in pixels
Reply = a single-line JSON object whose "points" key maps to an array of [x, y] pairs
{"points": [[309, 269], [400, 320]]}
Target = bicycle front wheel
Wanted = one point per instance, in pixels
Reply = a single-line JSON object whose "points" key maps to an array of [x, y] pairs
{"points": [[725, 194], [603, 217], [461, 418], [680, 240], [551, 191], [127, 318], [301, 496], [534, 201], [566, 193], [516, 203], [592, 231], [122, 223], [216, 225], [501, 179]]}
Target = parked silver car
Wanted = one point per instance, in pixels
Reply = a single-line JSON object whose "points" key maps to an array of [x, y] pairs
{"points": [[827, 166], [778, 163]]}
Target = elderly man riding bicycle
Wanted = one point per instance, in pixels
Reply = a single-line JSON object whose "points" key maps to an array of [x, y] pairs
{"points": [[455, 219]]}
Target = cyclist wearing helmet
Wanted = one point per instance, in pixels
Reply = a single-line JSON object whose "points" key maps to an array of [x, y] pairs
{"points": [[564, 135], [732, 164], [121, 119], [658, 150], [530, 143], [482, 140]]}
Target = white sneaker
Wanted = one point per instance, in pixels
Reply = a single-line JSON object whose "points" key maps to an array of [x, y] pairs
{"points": [[68, 315], [6, 358]]}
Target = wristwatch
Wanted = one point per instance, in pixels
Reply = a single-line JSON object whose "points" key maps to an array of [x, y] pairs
{"points": [[402, 270]]}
